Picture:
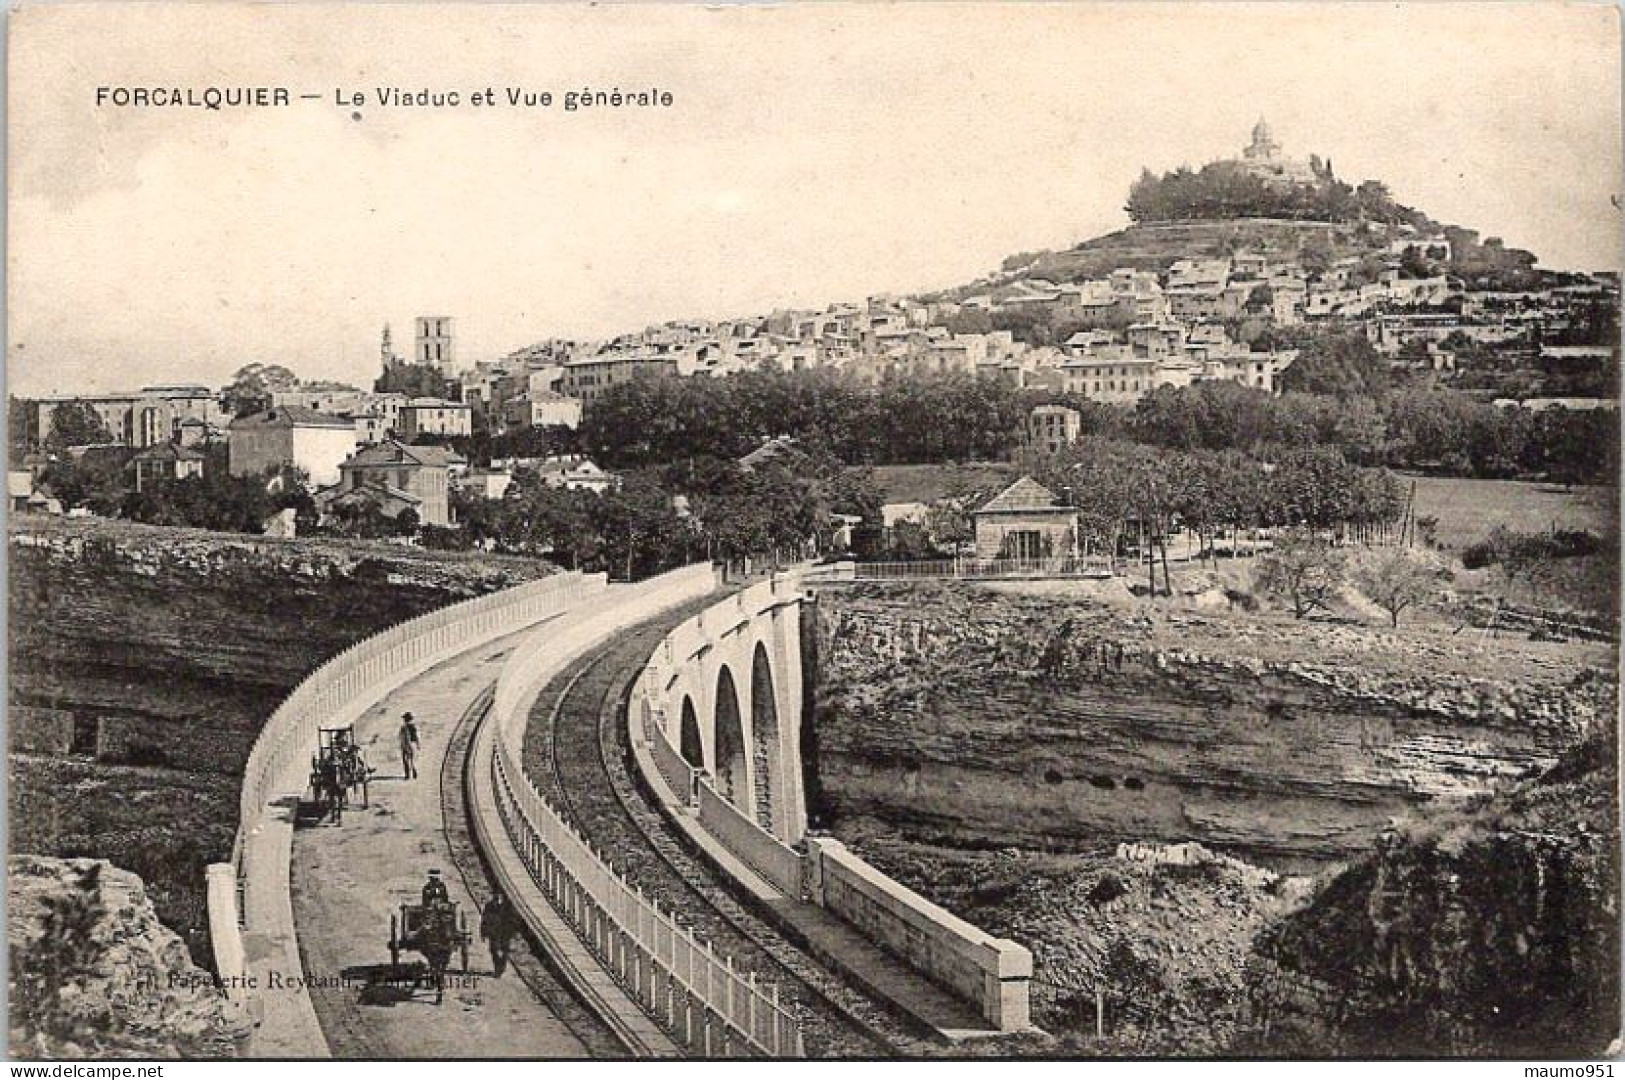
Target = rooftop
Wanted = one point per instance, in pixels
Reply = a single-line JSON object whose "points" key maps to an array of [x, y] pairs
{"points": [[1025, 494]]}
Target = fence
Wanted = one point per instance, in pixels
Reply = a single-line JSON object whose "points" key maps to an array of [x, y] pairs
{"points": [[336, 693], [978, 569], [706, 1005]]}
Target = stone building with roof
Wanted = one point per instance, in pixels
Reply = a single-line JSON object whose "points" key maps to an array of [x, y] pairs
{"points": [[1026, 521], [166, 462], [293, 435], [395, 477]]}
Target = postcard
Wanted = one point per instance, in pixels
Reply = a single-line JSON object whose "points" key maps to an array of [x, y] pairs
{"points": [[875, 531]]}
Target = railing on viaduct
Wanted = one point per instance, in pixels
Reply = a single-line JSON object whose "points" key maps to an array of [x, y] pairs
{"points": [[705, 1004]]}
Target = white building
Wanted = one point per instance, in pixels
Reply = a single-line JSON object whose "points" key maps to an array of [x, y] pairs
{"points": [[290, 435], [435, 416], [541, 408]]}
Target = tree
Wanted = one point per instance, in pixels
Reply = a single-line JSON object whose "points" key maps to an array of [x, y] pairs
{"points": [[22, 425], [1396, 581], [641, 532], [1414, 264], [1305, 569], [950, 527], [1341, 364], [97, 479], [251, 387], [416, 380], [76, 423]]}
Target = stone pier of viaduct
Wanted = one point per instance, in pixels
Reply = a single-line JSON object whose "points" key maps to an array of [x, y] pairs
{"points": [[715, 721]]}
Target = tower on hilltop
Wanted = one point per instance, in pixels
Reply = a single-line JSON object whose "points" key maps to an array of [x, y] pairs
{"points": [[1264, 147], [1263, 159]]}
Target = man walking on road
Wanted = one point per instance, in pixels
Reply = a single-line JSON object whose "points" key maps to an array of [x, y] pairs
{"points": [[409, 747], [498, 926]]}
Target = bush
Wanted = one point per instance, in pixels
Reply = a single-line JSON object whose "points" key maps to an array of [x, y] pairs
{"points": [[1503, 546], [1107, 889]]}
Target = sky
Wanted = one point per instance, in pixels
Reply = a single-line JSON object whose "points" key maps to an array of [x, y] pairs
{"points": [[811, 154]]}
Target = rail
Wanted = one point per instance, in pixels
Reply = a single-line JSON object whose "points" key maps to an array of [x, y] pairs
{"points": [[337, 692], [704, 1003]]}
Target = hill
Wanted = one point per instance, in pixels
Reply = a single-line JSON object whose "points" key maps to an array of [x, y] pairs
{"points": [[1157, 245]]}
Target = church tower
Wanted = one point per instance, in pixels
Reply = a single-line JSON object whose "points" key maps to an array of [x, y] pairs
{"points": [[1264, 147], [386, 349], [435, 344]]}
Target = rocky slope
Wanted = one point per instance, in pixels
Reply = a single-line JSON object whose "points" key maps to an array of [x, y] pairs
{"points": [[1081, 775], [1156, 246], [93, 973], [1157, 938], [1490, 932], [143, 661]]}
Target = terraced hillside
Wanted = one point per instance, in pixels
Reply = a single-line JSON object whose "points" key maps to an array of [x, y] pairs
{"points": [[1156, 246]]}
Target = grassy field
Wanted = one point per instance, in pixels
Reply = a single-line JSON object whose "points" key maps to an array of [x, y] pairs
{"points": [[927, 483], [1468, 509]]}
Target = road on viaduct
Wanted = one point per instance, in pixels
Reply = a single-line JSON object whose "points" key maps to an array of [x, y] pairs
{"points": [[348, 878]]}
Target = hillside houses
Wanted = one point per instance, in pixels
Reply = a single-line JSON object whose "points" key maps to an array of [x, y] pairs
{"points": [[1101, 368]]}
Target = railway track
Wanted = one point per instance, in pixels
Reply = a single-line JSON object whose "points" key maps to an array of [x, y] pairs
{"points": [[529, 962], [576, 751]]}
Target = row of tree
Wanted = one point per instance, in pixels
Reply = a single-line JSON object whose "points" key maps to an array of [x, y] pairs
{"points": [[1442, 431], [900, 419], [655, 519], [1126, 490], [934, 419]]}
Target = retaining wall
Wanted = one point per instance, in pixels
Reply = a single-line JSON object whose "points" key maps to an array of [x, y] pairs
{"points": [[994, 973]]}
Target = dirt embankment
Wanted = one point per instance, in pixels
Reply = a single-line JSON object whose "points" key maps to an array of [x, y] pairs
{"points": [[144, 660], [1041, 766]]}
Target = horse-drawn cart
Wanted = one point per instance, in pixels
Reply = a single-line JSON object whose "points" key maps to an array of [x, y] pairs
{"points": [[338, 768], [435, 930]]}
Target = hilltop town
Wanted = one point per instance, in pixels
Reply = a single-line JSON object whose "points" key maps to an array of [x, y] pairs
{"points": [[1264, 271]]}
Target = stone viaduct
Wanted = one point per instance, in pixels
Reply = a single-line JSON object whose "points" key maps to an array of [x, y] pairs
{"points": [[714, 723]]}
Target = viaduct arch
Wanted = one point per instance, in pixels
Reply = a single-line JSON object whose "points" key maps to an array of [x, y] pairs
{"points": [[730, 699]]}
